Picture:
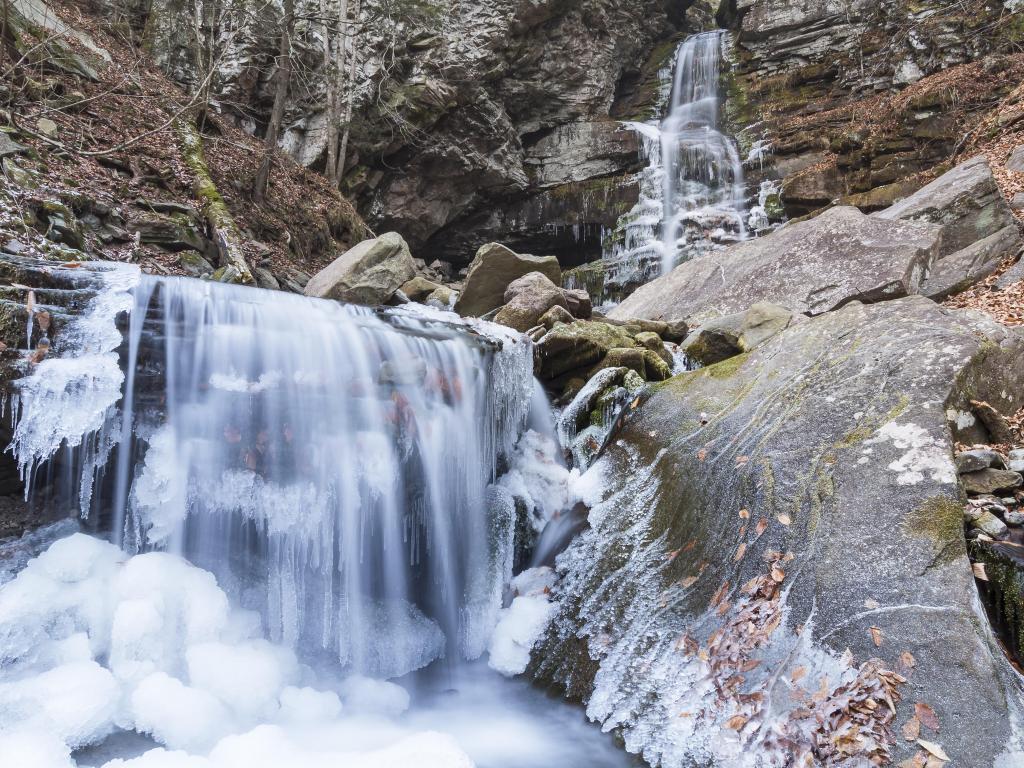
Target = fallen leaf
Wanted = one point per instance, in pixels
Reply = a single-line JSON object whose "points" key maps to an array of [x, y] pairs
{"points": [[798, 674], [702, 454], [907, 660], [784, 519], [720, 594], [876, 636], [736, 722], [741, 460], [778, 575], [917, 761], [688, 582], [744, 514], [979, 571], [871, 605], [927, 716], [43, 320], [724, 608], [742, 550], [934, 762], [932, 748], [912, 729], [635, 404], [761, 527]]}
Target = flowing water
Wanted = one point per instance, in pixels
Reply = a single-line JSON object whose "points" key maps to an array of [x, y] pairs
{"points": [[692, 194], [304, 501]]}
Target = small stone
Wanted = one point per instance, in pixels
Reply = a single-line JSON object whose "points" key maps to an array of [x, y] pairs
{"points": [[989, 480], [1017, 465], [47, 127], [1016, 519], [557, 314], [9, 146], [990, 525], [15, 247], [981, 458], [1015, 162], [265, 279], [1017, 454]]}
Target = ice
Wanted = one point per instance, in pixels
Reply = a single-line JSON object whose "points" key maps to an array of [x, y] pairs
{"points": [[75, 702], [539, 477], [308, 705], [34, 749], [379, 697], [177, 715], [523, 622], [247, 677]]}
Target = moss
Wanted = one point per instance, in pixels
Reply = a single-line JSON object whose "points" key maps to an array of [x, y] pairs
{"points": [[939, 519], [1003, 594], [725, 369]]}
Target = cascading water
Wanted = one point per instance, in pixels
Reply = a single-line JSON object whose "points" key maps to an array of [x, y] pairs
{"points": [[692, 195], [301, 493]]}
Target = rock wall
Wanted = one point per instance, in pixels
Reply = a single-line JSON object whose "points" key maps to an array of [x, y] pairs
{"points": [[475, 121], [856, 98]]}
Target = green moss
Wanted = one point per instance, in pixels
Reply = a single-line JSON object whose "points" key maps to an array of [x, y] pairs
{"points": [[939, 519], [725, 369]]}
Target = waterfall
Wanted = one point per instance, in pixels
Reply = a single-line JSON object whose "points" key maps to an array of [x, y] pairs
{"points": [[692, 194], [329, 464]]}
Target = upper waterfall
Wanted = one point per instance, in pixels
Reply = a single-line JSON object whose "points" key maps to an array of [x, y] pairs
{"points": [[692, 194], [329, 464]]}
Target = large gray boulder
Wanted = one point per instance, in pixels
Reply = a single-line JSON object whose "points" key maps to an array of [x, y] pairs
{"points": [[494, 268], [368, 273], [527, 299], [809, 267], [979, 229], [779, 559], [722, 337]]}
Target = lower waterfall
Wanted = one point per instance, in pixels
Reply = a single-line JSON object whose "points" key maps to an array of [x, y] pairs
{"points": [[313, 513]]}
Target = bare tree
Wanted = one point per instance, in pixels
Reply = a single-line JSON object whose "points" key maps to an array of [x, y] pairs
{"points": [[282, 77]]}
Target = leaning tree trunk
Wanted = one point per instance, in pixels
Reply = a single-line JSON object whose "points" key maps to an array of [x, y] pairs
{"points": [[335, 71], [284, 76]]}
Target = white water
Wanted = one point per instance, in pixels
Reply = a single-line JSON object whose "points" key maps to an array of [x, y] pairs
{"points": [[692, 194], [300, 498]]}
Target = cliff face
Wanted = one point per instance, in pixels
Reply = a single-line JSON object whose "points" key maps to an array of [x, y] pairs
{"points": [[474, 120], [859, 99]]}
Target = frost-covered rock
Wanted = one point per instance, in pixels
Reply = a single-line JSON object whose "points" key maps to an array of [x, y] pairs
{"points": [[766, 514]]}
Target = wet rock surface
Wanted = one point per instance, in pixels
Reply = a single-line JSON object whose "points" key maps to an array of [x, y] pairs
{"points": [[770, 512]]}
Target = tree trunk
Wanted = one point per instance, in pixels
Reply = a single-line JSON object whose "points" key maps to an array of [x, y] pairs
{"points": [[284, 76], [350, 98], [335, 72]]}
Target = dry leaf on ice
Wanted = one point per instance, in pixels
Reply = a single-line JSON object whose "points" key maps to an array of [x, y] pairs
{"points": [[871, 605], [736, 722], [934, 749], [742, 550], [876, 636]]}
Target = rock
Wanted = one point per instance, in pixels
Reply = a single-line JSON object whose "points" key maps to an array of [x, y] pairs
{"points": [[175, 232], [979, 458], [1017, 454], [991, 480], [194, 265], [960, 270], [527, 299], [1015, 162], [47, 127], [369, 273], [493, 269], [1017, 466], [557, 314], [655, 367], [630, 358], [442, 296], [61, 224], [9, 146], [652, 341], [1017, 201], [578, 302], [265, 279], [810, 267], [15, 247], [577, 345], [829, 437], [1016, 519], [405, 372], [723, 337], [1011, 276], [979, 230], [989, 524], [419, 288]]}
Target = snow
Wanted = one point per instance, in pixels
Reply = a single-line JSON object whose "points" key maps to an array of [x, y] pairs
{"points": [[177, 715]]}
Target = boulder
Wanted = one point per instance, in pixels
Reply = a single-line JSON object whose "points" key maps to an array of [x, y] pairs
{"points": [[577, 345], [578, 302], [980, 458], [653, 342], [979, 229], [493, 269], [557, 314], [265, 279], [369, 273], [442, 296], [1015, 162], [991, 480], [780, 536], [419, 288], [172, 232], [723, 337], [631, 358], [8, 146], [527, 299], [811, 267]]}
